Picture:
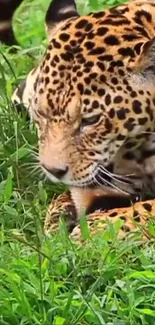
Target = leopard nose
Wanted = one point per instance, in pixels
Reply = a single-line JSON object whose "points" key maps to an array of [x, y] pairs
{"points": [[57, 172]]}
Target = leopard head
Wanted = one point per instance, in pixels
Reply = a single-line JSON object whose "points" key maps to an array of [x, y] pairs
{"points": [[94, 90]]}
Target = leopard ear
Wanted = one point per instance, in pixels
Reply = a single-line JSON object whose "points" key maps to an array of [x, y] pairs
{"points": [[145, 64], [59, 12]]}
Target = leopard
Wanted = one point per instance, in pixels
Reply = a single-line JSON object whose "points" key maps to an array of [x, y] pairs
{"points": [[134, 220], [92, 99]]}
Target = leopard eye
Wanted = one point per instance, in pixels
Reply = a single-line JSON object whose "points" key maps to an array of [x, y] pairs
{"points": [[86, 121]]}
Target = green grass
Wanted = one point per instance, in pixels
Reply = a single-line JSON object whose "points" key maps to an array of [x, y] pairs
{"points": [[54, 280]]}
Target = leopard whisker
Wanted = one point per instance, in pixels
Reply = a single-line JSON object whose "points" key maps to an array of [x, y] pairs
{"points": [[33, 148], [117, 175], [107, 173], [35, 155], [31, 164], [148, 132], [108, 183], [31, 168], [111, 175], [35, 171]]}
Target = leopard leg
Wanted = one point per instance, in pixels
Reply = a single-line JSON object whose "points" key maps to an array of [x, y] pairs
{"points": [[134, 217], [62, 206], [72, 204]]}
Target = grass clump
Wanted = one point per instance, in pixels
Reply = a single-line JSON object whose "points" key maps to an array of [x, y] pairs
{"points": [[56, 280]]}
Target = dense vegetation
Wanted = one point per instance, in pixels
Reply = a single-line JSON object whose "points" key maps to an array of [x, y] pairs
{"points": [[53, 280]]}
